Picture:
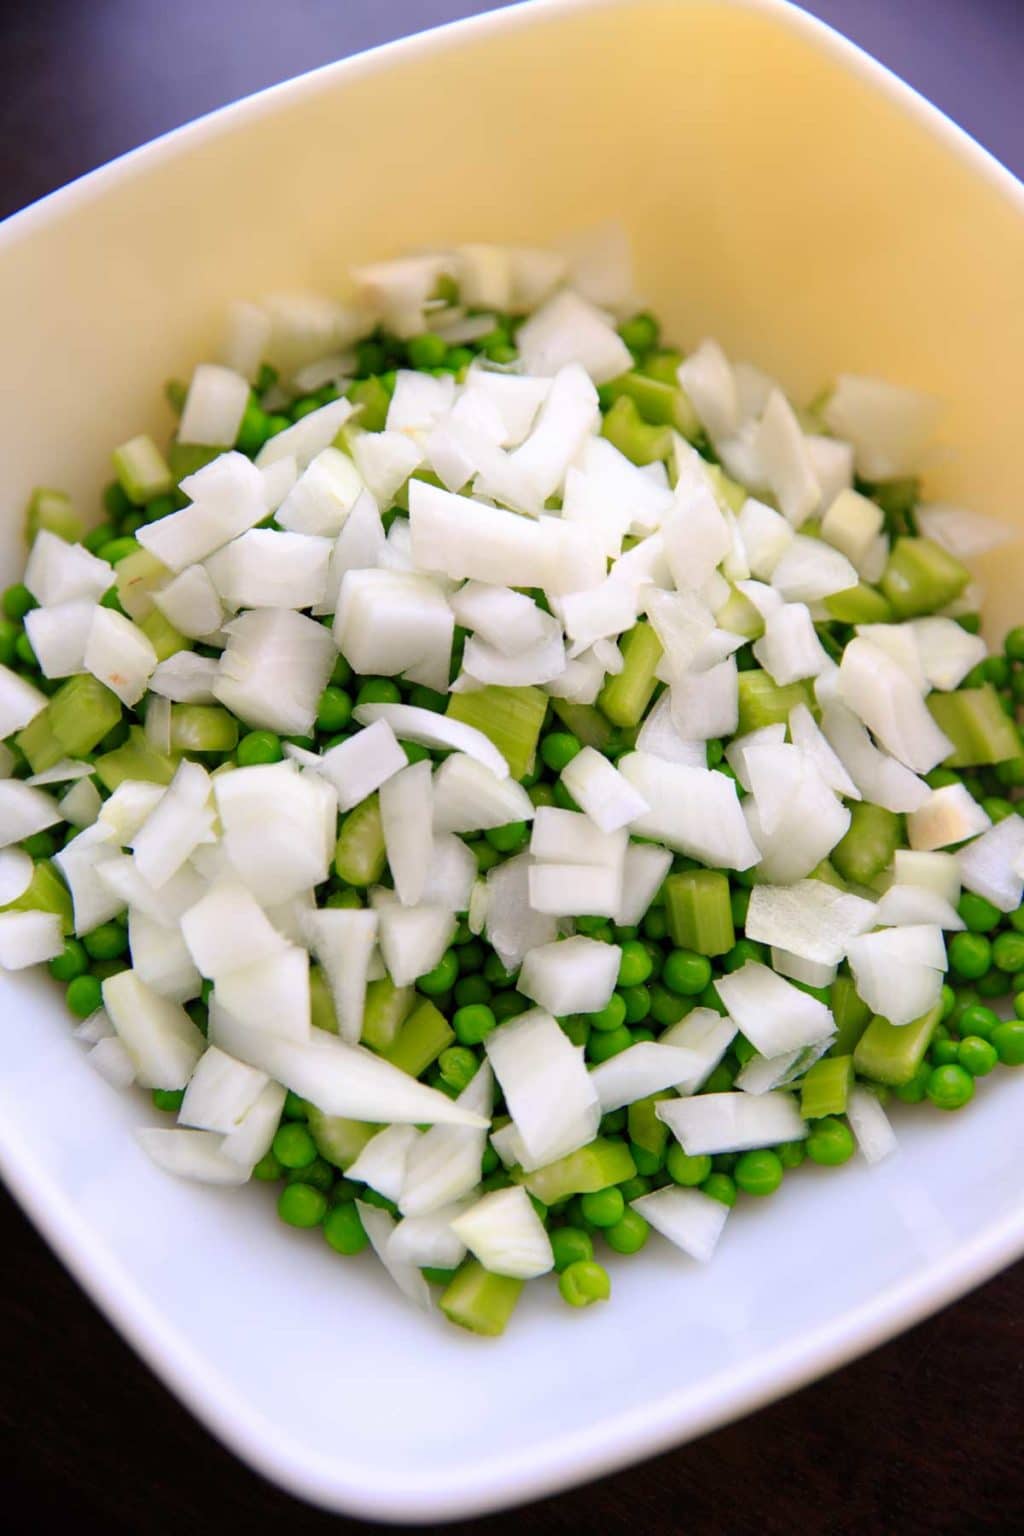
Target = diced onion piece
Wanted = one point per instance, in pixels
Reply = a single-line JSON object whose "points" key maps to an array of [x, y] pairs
{"points": [[406, 811], [82, 804], [888, 426], [186, 678], [58, 572], [706, 704], [181, 820], [391, 622], [899, 971], [323, 496], [805, 733], [166, 905], [785, 461], [879, 692], [948, 815], [904, 904], [220, 1093], [602, 792], [359, 546], [248, 334], [938, 872], [732, 1122], [964, 534], [385, 460], [546, 1086], [737, 750], [641, 1069], [511, 924], [274, 669], [359, 766], [379, 1228], [419, 400], [542, 663], [687, 1217], [851, 524], [228, 931], [693, 810], [991, 865], [343, 943], [191, 1155], [28, 938], [24, 811], [413, 939], [157, 1033], [813, 973], [696, 534], [430, 729], [469, 798], [126, 810], [253, 1137], [503, 1231], [110, 1059], [810, 570], [790, 649], [381, 1163], [270, 994], [810, 919], [308, 437], [807, 818], [643, 871], [428, 1241], [658, 737], [214, 407], [568, 329], [160, 958], [277, 828], [119, 655], [228, 497], [708, 379], [509, 621], [573, 890], [774, 1015], [575, 975], [870, 1124], [879, 778], [58, 637], [570, 837], [444, 1164], [79, 862], [266, 568], [832, 463], [766, 535], [20, 702], [15, 874], [947, 651], [705, 1034]]}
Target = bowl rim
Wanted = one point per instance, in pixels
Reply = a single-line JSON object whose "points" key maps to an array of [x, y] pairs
{"points": [[509, 1478]]}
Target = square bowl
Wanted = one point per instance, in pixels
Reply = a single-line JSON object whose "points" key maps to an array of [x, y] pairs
{"points": [[785, 194]]}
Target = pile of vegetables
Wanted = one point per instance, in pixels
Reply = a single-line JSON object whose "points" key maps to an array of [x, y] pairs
{"points": [[508, 783]]}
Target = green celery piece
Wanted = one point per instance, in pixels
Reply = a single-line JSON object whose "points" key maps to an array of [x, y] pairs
{"points": [[373, 400], [338, 1140], [826, 1086], [136, 759], [386, 1008], [189, 458], [660, 404], [595, 1166], [142, 470], [420, 1040], [827, 875], [46, 892], [891, 1054], [136, 578], [625, 697], [764, 702], [321, 1003], [871, 840], [163, 636], [39, 745], [479, 1300], [739, 616], [729, 494], [663, 366], [359, 854], [699, 912], [202, 728], [859, 605], [627, 431], [897, 499], [645, 1129], [977, 725], [851, 1014], [81, 713], [54, 511], [511, 718], [585, 722], [921, 578]]}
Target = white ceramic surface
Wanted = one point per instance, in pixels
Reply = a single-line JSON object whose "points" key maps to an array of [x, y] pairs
{"points": [[785, 194]]}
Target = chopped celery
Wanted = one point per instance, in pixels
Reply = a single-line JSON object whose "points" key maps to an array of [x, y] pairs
{"points": [[163, 636], [81, 713], [321, 1003], [851, 1015], [827, 875], [202, 728], [39, 745], [739, 616], [601, 1163], [663, 366], [976, 724], [136, 759], [859, 605], [53, 510], [479, 1300], [46, 892], [142, 470], [645, 1129], [699, 911], [625, 697], [890, 1053], [826, 1087], [585, 722], [764, 702], [509, 717], [871, 840], [338, 1140], [387, 1007], [137, 576], [373, 401], [659, 403], [189, 458], [360, 855], [729, 494], [921, 577], [420, 1040], [626, 430]]}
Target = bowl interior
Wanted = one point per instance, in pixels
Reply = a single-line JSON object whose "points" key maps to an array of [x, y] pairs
{"points": [[782, 196]]}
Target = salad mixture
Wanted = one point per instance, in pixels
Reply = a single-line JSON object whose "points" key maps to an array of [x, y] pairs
{"points": [[509, 784]]}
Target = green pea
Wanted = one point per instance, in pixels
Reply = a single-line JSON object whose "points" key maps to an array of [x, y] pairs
{"points": [[259, 747], [604, 1044], [293, 1146], [791, 1153], [473, 1023], [978, 1020], [334, 710], [977, 1056], [119, 549], [426, 351], [916, 1090], [17, 601], [457, 1066], [443, 977], [1008, 1040], [496, 973], [970, 955], [577, 1028], [470, 990], [638, 1003], [71, 962], [978, 913], [319, 1174], [994, 983], [379, 690], [486, 856], [169, 1100], [505, 1005], [950, 1087], [685, 972], [655, 925], [294, 1107], [84, 995], [628, 1234], [571, 1245], [948, 1000], [943, 1052], [612, 1015], [106, 942], [635, 965], [1013, 645], [509, 838], [584, 1282], [301, 1205], [742, 951], [268, 1169], [343, 1229], [830, 1142], [1008, 951], [41, 845], [557, 750], [758, 1172], [24, 653], [996, 808], [647, 1162], [720, 1187], [684, 1169]]}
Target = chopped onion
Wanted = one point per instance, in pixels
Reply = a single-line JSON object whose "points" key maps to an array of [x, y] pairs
{"points": [[186, 678], [276, 829], [228, 931], [904, 904], [406, 811], [870, 1124], [343, 942], [445, 1163], [643, 871], [28, 938], [899, 971], [430, 729], [58, 636], [781, 451], [602, 792], [693, 810], [567, 329], [274, 669], [391, 622], [248, 335], [270, 994], [323, 496], [126, 810], [24, 811], [381, 1163], [191, 1155], [542, 663], [546, 1086], [413, 939], [62, 573], [832, 463], [658, 737], [470, 798], [888, 426], [379, 1228], [805, 733], [270, 569], [809, 826], [705, 1034], [157, 1033], [571, 890], [252, 1139], [774, 1015], [15, 874], [938, 872], [503, 1231], [878, 691], [991, 865], [878, 777], [732, 1122], [385, 460], [946, 816], [81, 806], [810, 919], [947, 651], [451, 873], [110, 1059], [359, 546], [574, 975], [308, 437], [766, 535], [641, 1069], [508, 621], [214, 407], [428, 1241], [736, 751], [810, 570], [166, 905], [220, 1093], [851, 524], [813, 973], [708, 379], [79, 862], [511, 924], [790, 649], [706, 704], [182, 819], [419, 400], [119, 654], [161, 958], [695, 532], [228, 497], [687, 1217]]}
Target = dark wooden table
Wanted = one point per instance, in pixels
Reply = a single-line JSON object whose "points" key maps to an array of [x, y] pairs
{"points": [[924, 1435]]}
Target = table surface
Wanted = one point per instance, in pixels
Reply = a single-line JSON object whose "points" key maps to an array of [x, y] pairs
{"points": [[920, 1436]]}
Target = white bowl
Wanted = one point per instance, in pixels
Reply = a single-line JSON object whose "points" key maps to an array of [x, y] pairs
{"points": [[785, 194]]}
